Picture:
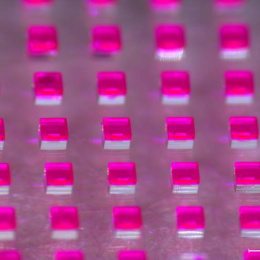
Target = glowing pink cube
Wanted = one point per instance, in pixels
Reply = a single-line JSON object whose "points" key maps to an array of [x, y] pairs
{"points": [[175, 87], [103, 2], [38, 2], [185, 177], [69, 255], [5, 178], [64, 222], [166, 3], [170, 41], [42, 41], [7, 223], [122, 177], [249, 221], [2, 133], [180, 132], [239, 87], [111, 88], [53, 133], [234, 41], [190, 221], [106, 39], [59, 178], [10, 255], [229, 3], [48, 88], [131, 255], [117, 132], [251, 254], [127, 222], [244, 132]]}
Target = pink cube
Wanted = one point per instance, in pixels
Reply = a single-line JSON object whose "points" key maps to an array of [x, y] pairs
{"points": [[103, 2], [42, 41], [38, 2], [175, 87], [131, 255], [234, 41], [170, 41], [127, 222], [48, 88], [5, 178], [7, 223], [2, 133], [247, 177], [59, 178], [244, 132], [122, 177], [10, 255], [111, 88], [190, 221], [249, 221], [106, 40], [117, 132], [69, 255], [239, 87], [251, 254], [180, 132], [64, 222], [185, 177], [166, 3], [53, 133]]}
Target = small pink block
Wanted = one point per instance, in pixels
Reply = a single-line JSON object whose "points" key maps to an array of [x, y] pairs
{"points": [[42, 40], [180, 132], [185, 177], [234, 41], [170, 41], [239, 87], [175, 87], [117, 132], [53, 133], [122, 177], [131, 255], [127, 222], [10, 255], [251, 254], [7, 223], [59, 178], [5, 178], [64, 222], [190, 221], [166, 3], [103, 2], [249, 221], [244, 132], [38, 2], [111, 88], [48, 88], [69, 255], [2, 133], [106, 39]]}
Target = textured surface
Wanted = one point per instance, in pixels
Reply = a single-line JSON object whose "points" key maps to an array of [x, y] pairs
{"points": [[143, 105]]}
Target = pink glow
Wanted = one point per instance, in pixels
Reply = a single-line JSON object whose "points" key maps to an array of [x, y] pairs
{"points": [[131, 255], [2, 130], [7, 219], [166, 3], [249, 217], [103, 2], [5, 176], [38, 2], [247, 173], [251, 254], [69, 255], [229, 2], [10, 255]]}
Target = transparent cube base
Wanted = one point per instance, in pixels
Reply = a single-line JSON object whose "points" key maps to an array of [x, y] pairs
{"points": [[248, 144], [239, 99], [234, 54], [122, 189], [180, 144], [53, 145], [191, 233], [133, 234], [64, 234], [185, 189], [176, 100], [116, 145], [108, 100], [59, 190]]}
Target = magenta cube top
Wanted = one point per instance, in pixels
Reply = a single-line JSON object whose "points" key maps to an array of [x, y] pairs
{"points": [[117, 129], [234, 37], [122, 173], [247, 173], [2, 130], [131, 255], [239, 83], [54, 129], [180, 128], [38, 2], [103, 2], [249, 217], [64, 218], [106, 39], [185, 173], [48, 84], [111, 83], [59, 174], [175, 83], [251, 254], [170, 37], [5, 175], [7, 219], [69, 255], [127, 218], [42, 40], [10, 255], [190, 218], [243, 128], [166, 3]]}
